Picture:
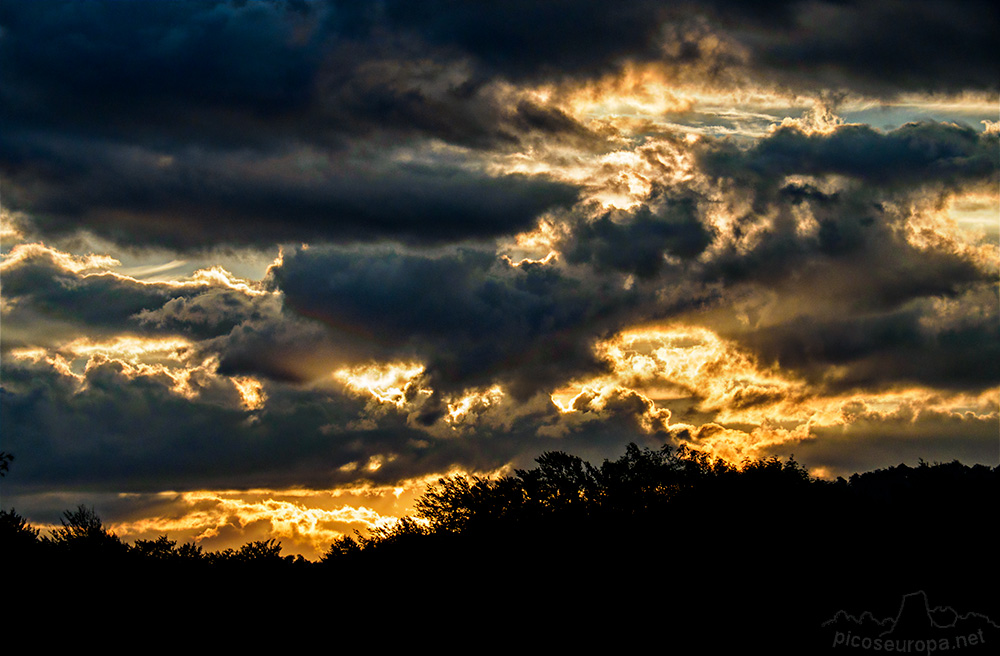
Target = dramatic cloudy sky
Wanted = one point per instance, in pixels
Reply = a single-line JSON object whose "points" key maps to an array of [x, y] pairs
{"points": [[268, 267]]}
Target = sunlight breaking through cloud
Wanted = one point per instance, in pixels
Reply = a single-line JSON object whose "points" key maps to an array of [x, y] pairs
{"points": [[399, 241]]}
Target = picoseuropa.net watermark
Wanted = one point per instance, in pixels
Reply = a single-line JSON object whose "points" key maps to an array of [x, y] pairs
{"points": [[917, 628], [908, 645]]}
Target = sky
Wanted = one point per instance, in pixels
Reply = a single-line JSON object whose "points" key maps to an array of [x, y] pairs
{"points": [[269, 268]]}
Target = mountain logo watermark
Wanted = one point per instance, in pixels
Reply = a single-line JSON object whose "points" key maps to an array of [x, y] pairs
{"points": [[916, 629]]}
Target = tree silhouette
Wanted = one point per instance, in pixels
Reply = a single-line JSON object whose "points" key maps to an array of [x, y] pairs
{"points": [[562, 483], [461, 503], [83, 534], [258, 552], [19, 539], [714, 544], [341, 549], [160, 549]]}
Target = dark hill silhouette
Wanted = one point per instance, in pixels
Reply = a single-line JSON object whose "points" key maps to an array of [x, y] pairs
{"points": [[659, 544]]}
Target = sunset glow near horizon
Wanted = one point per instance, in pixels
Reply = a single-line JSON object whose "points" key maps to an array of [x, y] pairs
{"points": [[269, 269]]}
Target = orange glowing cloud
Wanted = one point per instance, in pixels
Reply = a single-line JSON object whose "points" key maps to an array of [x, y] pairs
{"points": [[398, 385], [66, 261], [251, 392], [390, 383], [752, 408], [166, 359], [305, 521]]}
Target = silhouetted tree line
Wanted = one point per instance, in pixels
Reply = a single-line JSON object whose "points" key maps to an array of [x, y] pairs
{"points": [[82, 538], [645, 493], [568, 513], [749, 542]]}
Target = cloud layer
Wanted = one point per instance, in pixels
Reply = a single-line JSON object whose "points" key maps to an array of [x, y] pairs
{"points": [[491, 232]]}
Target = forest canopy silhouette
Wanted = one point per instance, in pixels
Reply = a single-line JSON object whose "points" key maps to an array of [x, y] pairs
{"points": [[762, 544], [644, 496]]}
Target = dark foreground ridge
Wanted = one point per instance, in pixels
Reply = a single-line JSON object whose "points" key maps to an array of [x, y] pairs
{"points": [[665, 542]]}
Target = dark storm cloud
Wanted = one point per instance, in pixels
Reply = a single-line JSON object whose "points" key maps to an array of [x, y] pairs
{"points": [[44, 288], [193, 198], [409, 95], [184, 124], [142, 67], [879, 47], [915, 154], [119, 431], [888, 315], [870, 320], [856, 253], [874, 46], [882, 350], [39, 285], [278, 345], [116, 431], [828, 248], [530, 39], [205, 314], [874, 440], [640, 241], [242, 74], [471, 319], [855, 242]]}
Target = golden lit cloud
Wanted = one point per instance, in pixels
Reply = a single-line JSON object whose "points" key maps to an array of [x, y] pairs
{"points": [[636, 91], [736, 445], [11, 226], [55, 360], [305, 521], [977, 212], [467, 407], [599, 399], [966, 101], [752, 408], [392, 383], [536, 246], [130, 348], [186, 380], [212, 277], [398, 385], [251, 392], [690, 360], [641, 112], [932, 225], [217, 276], [170, 360], [818, 119], [71, 263], [95, 265], [769, 249], [148, 271]]}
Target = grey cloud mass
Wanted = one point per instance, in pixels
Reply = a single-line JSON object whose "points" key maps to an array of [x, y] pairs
{"points": [[471, 318], [146, 120], [481, 231], [197, 199], [913, 154]]}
